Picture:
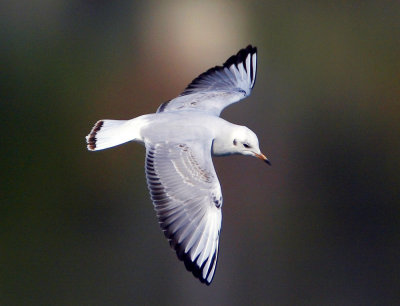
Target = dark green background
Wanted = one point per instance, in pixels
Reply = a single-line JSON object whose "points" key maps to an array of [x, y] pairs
{"points": [[319, 227]]}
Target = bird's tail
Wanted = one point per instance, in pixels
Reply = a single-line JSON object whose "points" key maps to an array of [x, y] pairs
{"points": [[109, 133]]}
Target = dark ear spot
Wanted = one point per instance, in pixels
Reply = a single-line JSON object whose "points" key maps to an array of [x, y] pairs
{"points": [[234, 142]]}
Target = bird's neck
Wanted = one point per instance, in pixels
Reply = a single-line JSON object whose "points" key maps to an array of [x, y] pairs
{"points": [[223, 141]]}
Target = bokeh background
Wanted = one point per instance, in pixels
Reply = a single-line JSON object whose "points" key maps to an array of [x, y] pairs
{"points": [[319, 227]]}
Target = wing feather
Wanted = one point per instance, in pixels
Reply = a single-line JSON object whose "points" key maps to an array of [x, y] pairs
{"points": [[218, 87], [187, 198]]}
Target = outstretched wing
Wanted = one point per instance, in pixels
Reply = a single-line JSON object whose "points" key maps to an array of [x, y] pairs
{"points": [[218, 87], [187, 197]]}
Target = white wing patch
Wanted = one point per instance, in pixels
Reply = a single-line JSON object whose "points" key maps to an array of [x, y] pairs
{"points": [[218, 87], [187, 197]]}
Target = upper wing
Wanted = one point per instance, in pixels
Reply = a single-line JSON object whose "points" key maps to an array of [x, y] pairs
{"points": [[187, 197], [220, 86]]}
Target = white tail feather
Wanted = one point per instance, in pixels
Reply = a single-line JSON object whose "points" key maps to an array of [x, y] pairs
{"points": [[109, 133]]}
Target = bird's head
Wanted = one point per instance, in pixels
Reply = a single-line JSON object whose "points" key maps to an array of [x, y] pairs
{"points": [[245, 142]]}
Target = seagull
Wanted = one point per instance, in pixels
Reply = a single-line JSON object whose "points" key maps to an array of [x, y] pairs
{"points": [[180, 139]]}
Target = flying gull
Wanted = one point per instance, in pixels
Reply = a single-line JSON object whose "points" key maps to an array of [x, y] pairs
{"points": [[180, 139]]}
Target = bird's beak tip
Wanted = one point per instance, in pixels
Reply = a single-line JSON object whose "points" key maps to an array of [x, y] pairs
{"points": [[264, 158]]}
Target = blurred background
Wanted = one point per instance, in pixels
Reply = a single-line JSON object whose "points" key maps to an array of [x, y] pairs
{"points": [[319, 227]]}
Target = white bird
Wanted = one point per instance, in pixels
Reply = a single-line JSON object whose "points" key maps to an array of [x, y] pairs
{"points": [[180, 139]]}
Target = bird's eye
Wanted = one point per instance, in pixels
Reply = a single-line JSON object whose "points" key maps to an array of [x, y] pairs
{"points": [[234, 142], [246, 145]]}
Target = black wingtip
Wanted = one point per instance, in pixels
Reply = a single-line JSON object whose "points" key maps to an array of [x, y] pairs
{"points": [[236, 59], [195, 269], [240, 57]]}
